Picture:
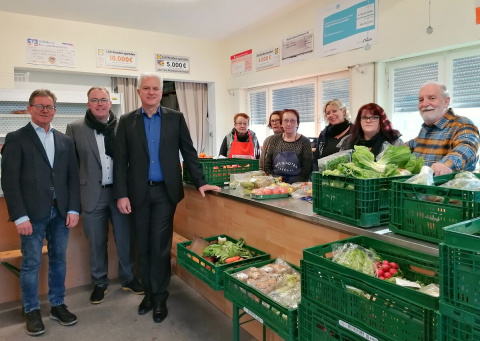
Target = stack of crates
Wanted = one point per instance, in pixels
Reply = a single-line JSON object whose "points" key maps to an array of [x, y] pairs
{"points": [[459, 317], [360, 202], [339, 303], [217, 171], [421, 211]]}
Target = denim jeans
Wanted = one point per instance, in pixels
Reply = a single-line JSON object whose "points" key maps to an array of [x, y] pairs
{"points": [[55, 231]]}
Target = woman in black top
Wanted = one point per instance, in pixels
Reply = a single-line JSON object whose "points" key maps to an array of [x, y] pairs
{"points": [[336, 115], [372, 129]]}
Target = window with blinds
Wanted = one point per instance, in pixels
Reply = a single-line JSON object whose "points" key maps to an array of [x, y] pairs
{"points": [[258, 107], [336, 89], [465, 91], [304, 95], [300, 98], [407, 81], [458, 69]]}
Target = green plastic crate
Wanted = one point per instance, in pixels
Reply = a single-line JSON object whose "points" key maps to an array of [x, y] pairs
{"points": [[217, 171], [414, 213], [460, 265], [385, 309], [282, 320], [457, 325], [207, 271], [317, 323], [360, 202]]}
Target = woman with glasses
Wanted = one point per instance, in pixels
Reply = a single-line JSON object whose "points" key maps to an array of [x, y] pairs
{"points": [[335, 113], [274, 123], [372, 129], [289, 154], [240, 141]]}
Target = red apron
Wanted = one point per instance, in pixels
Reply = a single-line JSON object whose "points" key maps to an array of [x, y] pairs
{"points": [[242, 149]]}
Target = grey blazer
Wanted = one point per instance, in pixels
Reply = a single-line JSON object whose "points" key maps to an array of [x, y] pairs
{"points": [[132, 161], [89, 164], [29, 183]]}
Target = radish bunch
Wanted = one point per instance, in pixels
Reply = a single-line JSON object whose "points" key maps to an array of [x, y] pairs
{"points": [[386, 269]]}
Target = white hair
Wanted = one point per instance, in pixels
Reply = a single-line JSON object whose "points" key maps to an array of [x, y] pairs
{"points": [[442, 86], [148, 75]]}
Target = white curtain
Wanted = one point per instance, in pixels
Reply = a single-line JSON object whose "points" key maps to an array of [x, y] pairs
{"points": [[127, 87], [192, 100]]}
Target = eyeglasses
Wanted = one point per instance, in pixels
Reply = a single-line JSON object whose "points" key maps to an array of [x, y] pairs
{"points": [[287, 121], [370, 118], [275, 121], [242, 124], [41, 107], [98, 100]]}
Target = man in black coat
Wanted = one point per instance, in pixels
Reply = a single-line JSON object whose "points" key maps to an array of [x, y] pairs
{"points": [[148, 184], [41, 186]]}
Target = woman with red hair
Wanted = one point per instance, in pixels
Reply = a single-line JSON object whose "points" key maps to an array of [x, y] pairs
{"points": [[372, 129]]}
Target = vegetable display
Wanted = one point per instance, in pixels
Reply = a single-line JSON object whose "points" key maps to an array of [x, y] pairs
{"points": [[368, 262], [394, 161], [224, 252]]}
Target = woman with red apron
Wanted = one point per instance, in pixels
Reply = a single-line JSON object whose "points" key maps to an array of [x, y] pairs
{"points": [[240, 142]]}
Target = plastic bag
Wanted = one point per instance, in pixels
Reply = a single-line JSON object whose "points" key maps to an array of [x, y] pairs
{"points": [[431, 289], [332, 161], [425, 177], [355, 257], [278, 280], [464, 180]]}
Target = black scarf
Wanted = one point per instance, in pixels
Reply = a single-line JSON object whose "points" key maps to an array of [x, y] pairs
{"points": [[334, 130], [375, 143], [107, 129]]}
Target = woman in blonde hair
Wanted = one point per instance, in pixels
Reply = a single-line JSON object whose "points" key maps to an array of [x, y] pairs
{"points": [[339, 126]]}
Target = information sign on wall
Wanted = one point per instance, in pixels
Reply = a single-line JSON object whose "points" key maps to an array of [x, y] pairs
{"points": [[50, 53], [169, 63], [116, 59]]}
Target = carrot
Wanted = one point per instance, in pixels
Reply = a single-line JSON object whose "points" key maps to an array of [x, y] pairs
{"points": [[232, 259]]}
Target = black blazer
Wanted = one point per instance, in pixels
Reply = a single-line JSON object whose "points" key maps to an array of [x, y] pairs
{"points": [[28, 180], [131, 161]]}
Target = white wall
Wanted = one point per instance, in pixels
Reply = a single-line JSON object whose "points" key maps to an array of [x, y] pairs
{"points": [[401, 33], [205, 56]]}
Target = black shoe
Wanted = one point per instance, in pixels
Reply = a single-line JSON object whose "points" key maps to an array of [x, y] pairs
{"points": [[134, 286], [160, 312], [34, 323], [145, 306], [98, 295], [61, 314]]}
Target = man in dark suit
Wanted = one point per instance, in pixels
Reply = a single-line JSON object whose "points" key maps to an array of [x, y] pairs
{"points": [[93, 136], [41, 187], [148, 184]]}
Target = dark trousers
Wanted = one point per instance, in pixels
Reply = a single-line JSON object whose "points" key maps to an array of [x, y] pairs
{"points": [[153, 224]]}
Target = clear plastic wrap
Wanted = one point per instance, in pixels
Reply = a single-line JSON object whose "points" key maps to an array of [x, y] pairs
{"points": [[278, 280], [332, 161], [464, 180], [355, 257], [425, 177]]}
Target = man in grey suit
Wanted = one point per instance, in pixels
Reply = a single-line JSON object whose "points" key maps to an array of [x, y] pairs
{"points": [[41, 187], [93, 136], [148, 184]]}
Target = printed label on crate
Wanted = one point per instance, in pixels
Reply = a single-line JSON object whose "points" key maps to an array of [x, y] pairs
{"points": [[357, 331], [252, 315]]}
